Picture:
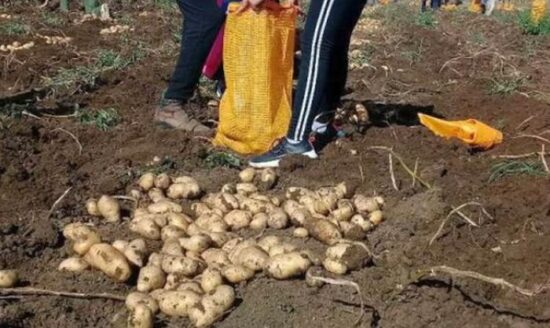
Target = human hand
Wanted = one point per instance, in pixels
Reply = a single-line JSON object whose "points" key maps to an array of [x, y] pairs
{"points": [[245, 4]]}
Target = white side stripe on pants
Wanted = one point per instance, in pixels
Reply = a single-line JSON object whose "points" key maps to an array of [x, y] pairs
{"points": [[311, 82]]}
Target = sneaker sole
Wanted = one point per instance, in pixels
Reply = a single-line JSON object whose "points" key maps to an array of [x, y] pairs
{"points": [[312, 154]]}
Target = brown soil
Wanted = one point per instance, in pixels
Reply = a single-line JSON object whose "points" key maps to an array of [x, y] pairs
{"points": [[39, 163]]}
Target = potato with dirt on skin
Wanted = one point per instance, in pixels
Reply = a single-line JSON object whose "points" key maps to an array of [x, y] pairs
{"points": [[360, 221], [171, 232], [365, 204], [300, 233], [140, 317], [184, 191], [229, 188], [191, 285], [91, 207], [213, 306], [289, 265], [146, 228], [176, 303], [376, 217], [219, 239], [179, 220], [164, 206], [282, 248], [180, 265], [277, 219], [150, 278], [295, 193], [156, 195], [344, 212], [8, 278], [109, 208], [344, 257], [135, 251], [252, 257], [197, 243], [110, 261], [225, 202], [172, 247], [268, 178], [215, 258], [242, 244], [211, 279], [268, 242], [351, 231], [162, 181], [246, 189], [82, 236], [236, 273], [259, 222], [238, 219], [155, 259], [299, 217], [211, 223], [147, 181], [73, 264], [255, 206], [247, 175], [135, 298], [323, 230]]}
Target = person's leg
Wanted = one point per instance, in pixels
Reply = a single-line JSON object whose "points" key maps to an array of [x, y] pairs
{"points": [[202, 20]]}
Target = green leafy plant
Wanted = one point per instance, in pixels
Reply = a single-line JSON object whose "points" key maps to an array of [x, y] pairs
{"points": [[426, 18], [103, 119], [505, 86], [51, 19], [14, 28], [215, 159], [516, 167], [529, 27]]}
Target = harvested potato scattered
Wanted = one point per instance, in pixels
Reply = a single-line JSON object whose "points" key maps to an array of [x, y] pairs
{"points": [[164, 206], [147, 181], [174, 280], [236, 273], [211, 279], [155, 259], [150, 277], [229, 188], [246, 188], [197, 243], [252, 257], [156, 195], [238, 219], [300, 233], [136, 194], [295, 193], [140, 317], [146, 228], [135, 298], [180, 265], [376, 217], [107, 259], [183, 190], [277, 219], [260, 197], [91, 207], [162, 181], [346, 257], [259, 221], [334, 266], [201, 209], [136, 251], [268, 178], [213, 306], [285, 266], [247, 175], [282, 248], [344, 212], [82, 236], [8, 278], [225, 202], [220, 238], [323, 230], [211, 223], [171, 232], [179, 220], [365, 204], [191, 286], [234, 252], [299, 216], [186, 180], [268, 242], [255, 206], [73, 264], [178, 302], [109, 208], [172, 247], [216, 258], [360, 221], [352, 231]]}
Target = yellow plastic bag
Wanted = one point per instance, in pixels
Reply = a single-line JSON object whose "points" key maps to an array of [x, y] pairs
{"points": [[473, 132], [258, 62]]}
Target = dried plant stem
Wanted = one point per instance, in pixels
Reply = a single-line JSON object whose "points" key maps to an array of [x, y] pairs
{"points": [[405, 167], [45, 292], [392, 174], [462, 215], [72, 136]]}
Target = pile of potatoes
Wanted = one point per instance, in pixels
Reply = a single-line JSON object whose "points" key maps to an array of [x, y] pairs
{"points": [[116, 29], [5, 16], [55, 40], [16, 46], [202, 253]]}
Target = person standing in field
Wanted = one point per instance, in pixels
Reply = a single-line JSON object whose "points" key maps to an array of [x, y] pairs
{"points": [[202, 19], [322, 76]]}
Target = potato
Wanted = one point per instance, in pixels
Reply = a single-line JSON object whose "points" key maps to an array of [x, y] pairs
{"points": [[213, 306], [345, 190], [335, 267], [109, 208], [147, 181], [282, 248], [268, 242], [365, 204], [229, 188], [196, 243], [220, 238], [140, 317], [261, 198], [255, 206], [180, 265], [376, 217], [259, 221], [8, 278], [91, 207], [360, 221], [162, 181], [236, 273], [326, 203], [352, 231], [286, 266], [186, 180], [246, 188], [268, 178], [323, 230], [155, 259], [191, 286], [107, 259], [276, 201], [352, 256], [234, 253], [172, 247], [164, 206], [247, 175], [82, 236], [146, 228], [135, 298], [252, 257], [300, 233], [136, 194], [295, 193], [174, 280], [277, 219], [211, 223], [230, 245], [238, 219], [73, 264], [344, 212], [156, 195], [178, 302], [299, 216], [193, 229], [215, 258], [157, 294], [211, 279], [150, 278], [193, 255], [179, 220], [225, 202], [184, 190], [171, 232], [308, 201], [380, 201], [136, 251]]}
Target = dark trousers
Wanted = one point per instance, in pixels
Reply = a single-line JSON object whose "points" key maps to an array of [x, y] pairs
{"points": [[324, 63], [202, 20]]}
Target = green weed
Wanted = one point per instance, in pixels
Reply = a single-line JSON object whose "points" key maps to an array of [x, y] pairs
{"points": [[14, 28], [73, 77], [414, 55], [505, 86], [103, 119], [216, 159], [530, 27], [51, 19], [511, 168], [165, 4], [426, 19]]}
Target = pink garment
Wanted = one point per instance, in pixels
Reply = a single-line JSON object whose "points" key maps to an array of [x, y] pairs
{"points": [[214, 59]]}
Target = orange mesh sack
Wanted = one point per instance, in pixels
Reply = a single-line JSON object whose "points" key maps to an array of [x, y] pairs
{"points": [[258, 64]]}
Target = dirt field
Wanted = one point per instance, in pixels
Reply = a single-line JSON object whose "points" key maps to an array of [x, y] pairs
{"points": [[464, 66]]}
